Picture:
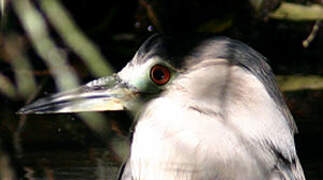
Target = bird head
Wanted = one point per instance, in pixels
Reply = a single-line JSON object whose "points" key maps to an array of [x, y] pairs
{"points": [[163, 64]]}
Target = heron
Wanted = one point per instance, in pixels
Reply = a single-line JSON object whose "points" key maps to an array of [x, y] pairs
{"points": [[205, 107]]}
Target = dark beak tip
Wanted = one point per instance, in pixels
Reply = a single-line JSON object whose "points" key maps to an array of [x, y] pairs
{"points": [[26, 111], [23, 111]]}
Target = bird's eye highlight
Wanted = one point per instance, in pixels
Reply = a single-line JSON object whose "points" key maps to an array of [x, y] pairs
{"points": [[159, 74]]}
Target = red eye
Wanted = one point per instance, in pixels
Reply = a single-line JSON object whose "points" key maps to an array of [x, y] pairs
{"points": [[160, 74]]}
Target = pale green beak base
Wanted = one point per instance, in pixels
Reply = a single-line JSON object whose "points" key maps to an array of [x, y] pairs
{"points": [[105, 94]]}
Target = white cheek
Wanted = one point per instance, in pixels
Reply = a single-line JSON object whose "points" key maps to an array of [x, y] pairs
{"points": [[134, 75]]}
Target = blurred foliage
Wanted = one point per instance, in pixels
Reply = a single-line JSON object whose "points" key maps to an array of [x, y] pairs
{"points": [[296, 12], [294, 82], [44, 22], [50, 45]]}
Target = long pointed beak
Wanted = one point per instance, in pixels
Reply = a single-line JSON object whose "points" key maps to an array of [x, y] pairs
{"points": [[105, 94]]}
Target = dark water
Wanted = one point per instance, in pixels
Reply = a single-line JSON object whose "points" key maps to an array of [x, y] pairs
{"points": [[61, 147], [98, 164], [93, 164]]}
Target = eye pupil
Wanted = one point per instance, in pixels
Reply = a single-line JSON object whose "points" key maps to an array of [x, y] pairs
{"points": [[159, 74]]}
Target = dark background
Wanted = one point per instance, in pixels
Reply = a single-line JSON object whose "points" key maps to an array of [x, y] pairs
{"points": [[44, 144]]}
